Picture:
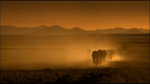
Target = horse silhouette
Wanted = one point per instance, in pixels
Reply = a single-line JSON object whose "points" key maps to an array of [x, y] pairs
{"points": [[104, 55], [110, 54], [95, 57], [100, 56]]}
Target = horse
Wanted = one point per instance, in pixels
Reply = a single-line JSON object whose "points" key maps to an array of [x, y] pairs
{"points": [[110, 53], [104, 55], [95, 58], [100, 56]]}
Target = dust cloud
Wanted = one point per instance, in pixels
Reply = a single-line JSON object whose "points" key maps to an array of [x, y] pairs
{"points": [[39, 52]]}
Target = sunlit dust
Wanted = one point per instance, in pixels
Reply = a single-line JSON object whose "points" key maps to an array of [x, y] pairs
{"points": [[116, 58]]}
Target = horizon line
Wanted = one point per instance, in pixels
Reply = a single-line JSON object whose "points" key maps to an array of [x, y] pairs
{"points": [[75, 27]]}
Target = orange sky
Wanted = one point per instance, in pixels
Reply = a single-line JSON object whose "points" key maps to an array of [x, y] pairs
{"points": [[88, 15]]}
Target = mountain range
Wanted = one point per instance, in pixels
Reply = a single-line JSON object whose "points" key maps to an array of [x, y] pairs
{"points": [[58, 30]]}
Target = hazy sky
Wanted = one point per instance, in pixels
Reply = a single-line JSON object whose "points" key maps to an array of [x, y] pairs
{"points": [[87, 15]]}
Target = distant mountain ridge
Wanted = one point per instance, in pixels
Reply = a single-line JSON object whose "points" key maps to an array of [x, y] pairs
{"points": [[58, 30]]}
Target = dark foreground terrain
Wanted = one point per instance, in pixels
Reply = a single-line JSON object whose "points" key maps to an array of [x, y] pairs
{"points": [[125, 73], [132, 67]]}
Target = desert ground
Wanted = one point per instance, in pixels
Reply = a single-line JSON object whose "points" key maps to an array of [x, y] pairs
{"points": [[64, 59]]}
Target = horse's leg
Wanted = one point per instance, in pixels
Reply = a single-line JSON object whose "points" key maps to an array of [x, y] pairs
{"points": [[101, 61], [97, 62], [93, 61], [104, 58]]}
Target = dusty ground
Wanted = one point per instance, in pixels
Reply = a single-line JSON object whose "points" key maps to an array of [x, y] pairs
{"points": [[133, 67], [125, 72]]}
